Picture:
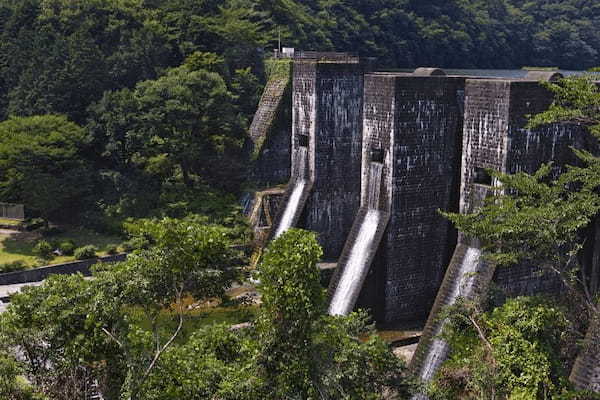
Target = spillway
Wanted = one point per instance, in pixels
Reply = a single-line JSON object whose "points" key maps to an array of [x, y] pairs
{"points": [[361, 246], [298, 192], [463, 277]]}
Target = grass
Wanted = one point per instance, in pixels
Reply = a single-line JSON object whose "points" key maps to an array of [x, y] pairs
{"points": [[527, 68], [10, 222], [19, 246], [196, 319]]}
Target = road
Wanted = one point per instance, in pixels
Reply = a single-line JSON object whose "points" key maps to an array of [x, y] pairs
{"points": [[7, 290]]}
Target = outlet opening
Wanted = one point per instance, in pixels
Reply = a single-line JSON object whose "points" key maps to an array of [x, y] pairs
{"points": [[482, 177], [377, 155], [303, 140]]}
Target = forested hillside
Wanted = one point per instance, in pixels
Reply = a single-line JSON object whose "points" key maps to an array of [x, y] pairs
{"points": [[139, 75], [51, 47]]}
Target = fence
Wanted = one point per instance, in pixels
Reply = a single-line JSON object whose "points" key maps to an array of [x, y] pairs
{"points": [[12, 211]]}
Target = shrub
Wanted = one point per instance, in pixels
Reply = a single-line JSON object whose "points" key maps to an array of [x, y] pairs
{"points": [[135, 243], [12, 266], [34, 223], [112, 249], [67, 247], [85, 252], [43, 249]]}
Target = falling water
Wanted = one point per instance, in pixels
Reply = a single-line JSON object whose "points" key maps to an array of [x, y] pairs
{"points": [[462, 286], [363, 246], [299, 182], [374, 185]]}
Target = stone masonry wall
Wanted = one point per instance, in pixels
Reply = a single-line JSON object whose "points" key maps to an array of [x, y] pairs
{"points": [[378, 129], [270, 134], [337, 141], [527, 150], [425, 160]]}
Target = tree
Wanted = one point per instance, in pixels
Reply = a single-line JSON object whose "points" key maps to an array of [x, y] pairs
{"points": [[305, 353], [182, 126], [42, 165], [292, 351], [184, 258], [50, 327], [513, 352], [116, 327]]}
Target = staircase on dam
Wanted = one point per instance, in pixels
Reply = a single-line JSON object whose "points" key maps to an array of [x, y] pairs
{"points": [[270, 130]]}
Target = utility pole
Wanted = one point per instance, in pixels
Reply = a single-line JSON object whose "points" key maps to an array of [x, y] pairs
{"points": [[279, 40]]}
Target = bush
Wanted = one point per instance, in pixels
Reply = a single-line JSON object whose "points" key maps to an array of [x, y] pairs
{"points": [[34, 223], [67, 247], [12, 266], [43, 249], [112, 249], [135, 243], [85, 252]]}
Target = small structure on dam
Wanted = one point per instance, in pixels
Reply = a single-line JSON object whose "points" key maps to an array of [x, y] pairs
{"points": [[495, 138], [410, 169], [324, 190]]}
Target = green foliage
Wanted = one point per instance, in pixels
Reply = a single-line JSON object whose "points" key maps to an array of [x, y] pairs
{"points": [[520, 357], [12, 266], [278, 68], [293, 300], [50, 326], [67, 247], [71, 329], [112, 249], [304, 353], [576, 100], [43, 249], [11, 384], [535, 218], [293, 351], [41, 164], [85, 252], [214, 363]]}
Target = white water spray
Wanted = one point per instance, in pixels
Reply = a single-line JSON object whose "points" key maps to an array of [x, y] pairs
{"points": [[293, 206], [364, 246]]}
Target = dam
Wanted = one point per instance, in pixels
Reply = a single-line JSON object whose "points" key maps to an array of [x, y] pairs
{"points": [[373, 156]]}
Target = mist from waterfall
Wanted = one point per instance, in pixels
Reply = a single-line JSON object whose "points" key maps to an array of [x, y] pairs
{"points": [[364, 245], [299, 182]]}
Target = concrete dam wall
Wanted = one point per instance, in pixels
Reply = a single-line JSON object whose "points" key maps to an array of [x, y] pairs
{"points": [[374, 156]]}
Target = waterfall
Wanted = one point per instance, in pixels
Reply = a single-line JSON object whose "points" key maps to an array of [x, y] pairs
{"points": [[360, 247], [299, 184]]}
